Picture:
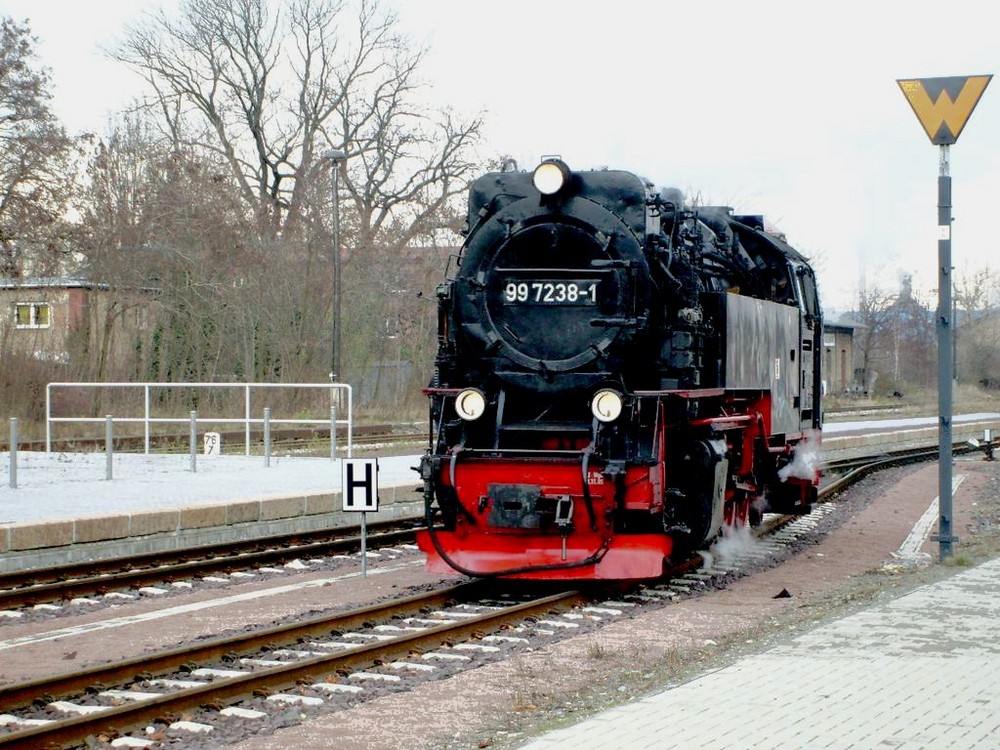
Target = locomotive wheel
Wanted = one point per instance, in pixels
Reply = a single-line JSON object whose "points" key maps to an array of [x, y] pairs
{"points": [[690, 529], [699, 511]]}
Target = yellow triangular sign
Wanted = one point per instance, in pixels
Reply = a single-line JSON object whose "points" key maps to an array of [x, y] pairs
{"points": [[943, 105]]}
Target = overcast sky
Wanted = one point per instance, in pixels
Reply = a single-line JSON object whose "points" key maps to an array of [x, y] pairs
{"points": [[788, 109]]}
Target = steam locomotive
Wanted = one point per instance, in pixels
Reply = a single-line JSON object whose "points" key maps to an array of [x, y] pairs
{"points": [[620, 379]]}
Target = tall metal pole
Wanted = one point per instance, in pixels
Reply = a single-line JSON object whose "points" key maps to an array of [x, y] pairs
{"points": [[335, 157], [943, 106], [945, 357], [954, 338], [13, 453]]}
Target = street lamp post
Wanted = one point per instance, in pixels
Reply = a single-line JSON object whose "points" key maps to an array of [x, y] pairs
{"points": [[336, 157]]}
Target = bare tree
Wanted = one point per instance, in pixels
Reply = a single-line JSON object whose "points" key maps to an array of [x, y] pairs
{"points": [[264, 91], [269, 88], [915, 342], [977, 333], [973, 290], [34, 178], [979, 351], [162, 223], [874, 337], [34, 194]]}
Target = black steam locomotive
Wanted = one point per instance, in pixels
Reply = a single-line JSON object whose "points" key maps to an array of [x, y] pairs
{"points": [[620, 378]]}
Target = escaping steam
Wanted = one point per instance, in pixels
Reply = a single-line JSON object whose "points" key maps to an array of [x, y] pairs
{"points": [[734, 542], [805, 460]]}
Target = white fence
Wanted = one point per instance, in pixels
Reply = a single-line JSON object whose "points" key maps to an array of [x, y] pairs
{"points": [[338, 393]]}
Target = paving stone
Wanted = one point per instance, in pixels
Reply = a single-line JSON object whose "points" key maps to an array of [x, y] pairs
{"points": [[922, 671]]}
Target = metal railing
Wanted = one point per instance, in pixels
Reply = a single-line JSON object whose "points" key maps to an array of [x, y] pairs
{"points": [[337, 393]]}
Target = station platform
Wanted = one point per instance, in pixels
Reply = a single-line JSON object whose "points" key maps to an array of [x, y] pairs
{"points": [[64, 509], [922, 671], [864, 437]]}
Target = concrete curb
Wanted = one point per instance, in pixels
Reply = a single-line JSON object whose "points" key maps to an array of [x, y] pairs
{"points": [[54, 542]]}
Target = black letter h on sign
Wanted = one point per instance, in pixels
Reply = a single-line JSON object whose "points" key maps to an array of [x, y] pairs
{"points": [[368, 483]]}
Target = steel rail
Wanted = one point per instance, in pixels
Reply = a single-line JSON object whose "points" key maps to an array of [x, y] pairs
{"points": [[23, 588], [22, 693], [270, 679]]}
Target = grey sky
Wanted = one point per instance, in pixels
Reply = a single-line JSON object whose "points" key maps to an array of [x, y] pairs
{"points": [[790, 109]]}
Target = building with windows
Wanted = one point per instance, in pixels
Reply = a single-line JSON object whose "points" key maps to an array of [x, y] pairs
{"points": [[58, 319], [32, 314], [838, 356]]}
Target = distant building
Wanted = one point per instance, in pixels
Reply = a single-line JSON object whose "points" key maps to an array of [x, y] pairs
{"points": [[57, 319], [838, 355]]}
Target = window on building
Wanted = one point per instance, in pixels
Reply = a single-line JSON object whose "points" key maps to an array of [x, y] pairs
{"points": [[32, 314]]}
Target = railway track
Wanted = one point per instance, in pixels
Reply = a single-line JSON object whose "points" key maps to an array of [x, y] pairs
{"points": [[843, 473], [31, 587], [330, 658], [313, 658]]}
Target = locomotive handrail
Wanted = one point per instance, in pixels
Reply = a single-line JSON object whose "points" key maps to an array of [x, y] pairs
{"points": [[734, 420], [614, 322], [548, 453]]}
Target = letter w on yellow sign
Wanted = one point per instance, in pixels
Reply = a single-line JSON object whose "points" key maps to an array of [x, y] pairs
{"points": [[943, 105]]}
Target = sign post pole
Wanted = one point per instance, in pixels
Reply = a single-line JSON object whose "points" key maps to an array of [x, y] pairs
{"points": [[946, 334], [359, 491], [364, 545], [943, 106]]}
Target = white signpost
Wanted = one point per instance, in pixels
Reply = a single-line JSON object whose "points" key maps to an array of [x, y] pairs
{"points": [[212, 444], [359, 492]]}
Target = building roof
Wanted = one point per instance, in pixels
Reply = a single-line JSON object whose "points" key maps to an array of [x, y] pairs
{"points": [[64, 282], [48, 282], [841, 322]]}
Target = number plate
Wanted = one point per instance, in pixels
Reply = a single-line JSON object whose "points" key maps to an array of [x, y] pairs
{"points": [[563, 292]]}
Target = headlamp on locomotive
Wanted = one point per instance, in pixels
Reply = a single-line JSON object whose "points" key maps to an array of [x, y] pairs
{"points": [[550, 176]]}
